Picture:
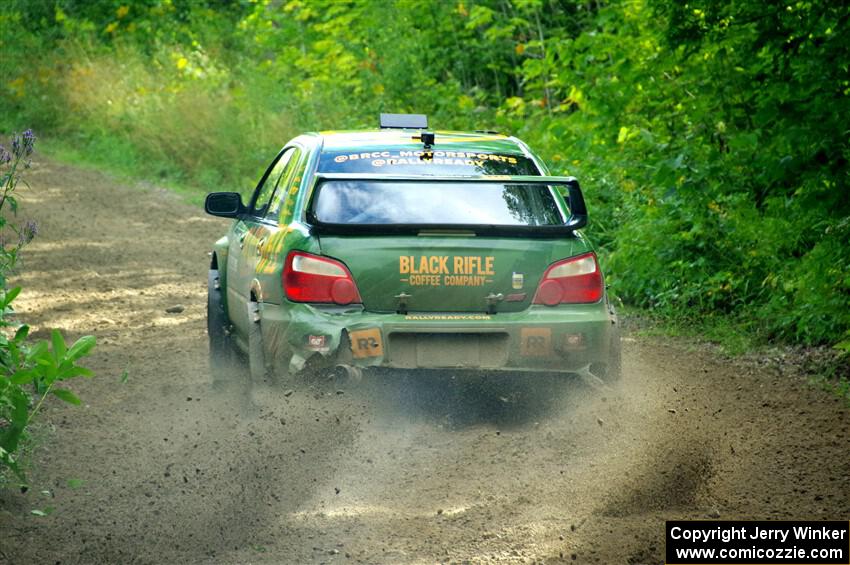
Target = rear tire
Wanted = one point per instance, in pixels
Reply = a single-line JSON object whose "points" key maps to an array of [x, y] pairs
{"points": [[221, 354]]}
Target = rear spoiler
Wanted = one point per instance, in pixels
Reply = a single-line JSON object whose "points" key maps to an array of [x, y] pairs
{"points": [[575, 202]]}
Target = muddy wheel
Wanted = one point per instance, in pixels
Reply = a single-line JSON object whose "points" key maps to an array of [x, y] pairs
{"points": [[257, 369], [221, 349]]}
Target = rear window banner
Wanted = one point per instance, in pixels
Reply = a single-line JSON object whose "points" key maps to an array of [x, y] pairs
{"points": [[437, 162]]}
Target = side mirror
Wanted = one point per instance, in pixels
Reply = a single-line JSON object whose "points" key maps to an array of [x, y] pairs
{"points": [[578, 210], [224, 204]]}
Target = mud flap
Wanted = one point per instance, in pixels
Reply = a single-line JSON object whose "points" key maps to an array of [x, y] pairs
{"points": [[222, 356], [256, 354]]}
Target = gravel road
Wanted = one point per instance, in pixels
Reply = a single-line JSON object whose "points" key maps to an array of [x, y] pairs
{"points": [[396, 470]]}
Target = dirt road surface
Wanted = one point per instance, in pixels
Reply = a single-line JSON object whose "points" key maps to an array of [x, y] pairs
{"points": [[441, 469]]}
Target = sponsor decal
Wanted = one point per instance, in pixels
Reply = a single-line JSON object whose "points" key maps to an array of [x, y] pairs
{"points": [[575, 342], [366, 343], [446, 270], [270, 251], [517, 280], [317, 342], [380, 159], [536, 342]]}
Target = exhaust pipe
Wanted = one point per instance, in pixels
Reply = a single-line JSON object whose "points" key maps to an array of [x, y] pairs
{"points": [[348, 372]]}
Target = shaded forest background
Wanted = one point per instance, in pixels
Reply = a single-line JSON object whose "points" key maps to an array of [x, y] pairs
{"points": [[711, 137]]}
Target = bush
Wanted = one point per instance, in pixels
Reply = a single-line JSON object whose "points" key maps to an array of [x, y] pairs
{"points": [[29, 372]]}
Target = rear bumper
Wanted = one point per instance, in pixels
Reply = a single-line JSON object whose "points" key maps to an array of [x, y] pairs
{"points": [[563, 338]]}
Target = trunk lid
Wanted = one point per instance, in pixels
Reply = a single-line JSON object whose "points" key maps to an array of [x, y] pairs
{"points": [[445, 272]]}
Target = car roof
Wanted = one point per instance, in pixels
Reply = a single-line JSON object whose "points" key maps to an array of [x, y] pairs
{"points": [[366, 140]]}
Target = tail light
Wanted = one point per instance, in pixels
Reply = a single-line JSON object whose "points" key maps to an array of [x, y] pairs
{"points": [[576, 280], [312, 278]]}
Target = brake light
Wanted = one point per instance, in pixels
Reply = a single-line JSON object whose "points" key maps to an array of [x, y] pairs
{"points": [[576, 280], [312, 278]]}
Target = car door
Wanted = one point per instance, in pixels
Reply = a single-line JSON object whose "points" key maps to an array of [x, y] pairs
{"points": [[272, 230], [248, 237]]}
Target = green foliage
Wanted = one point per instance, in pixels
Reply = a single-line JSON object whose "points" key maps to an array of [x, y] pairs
{"points": [[42, 366], [29, 372], [710, 137]]}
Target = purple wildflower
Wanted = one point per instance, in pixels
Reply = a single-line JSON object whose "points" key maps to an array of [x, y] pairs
{"points": [[29, 141], [5, 156], [28, 232], [22, 145]]}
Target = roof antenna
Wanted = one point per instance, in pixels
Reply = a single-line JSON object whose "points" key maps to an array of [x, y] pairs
{"points": [[427, 138]]}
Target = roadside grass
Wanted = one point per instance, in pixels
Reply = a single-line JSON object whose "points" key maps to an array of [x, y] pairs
{"points": [[825, 367], [732, 337], [137, 115], [832, 374], [840, 387], [119, 158]]}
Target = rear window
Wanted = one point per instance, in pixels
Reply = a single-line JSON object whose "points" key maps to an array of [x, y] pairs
{"points": [[421, 162], [370, 202]]}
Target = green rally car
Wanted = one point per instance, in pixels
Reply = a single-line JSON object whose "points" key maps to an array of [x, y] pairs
{"points": [[408, 249]]}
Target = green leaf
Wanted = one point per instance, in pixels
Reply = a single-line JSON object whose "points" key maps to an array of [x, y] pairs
{"points": [[37, 351], [22, 377], [19, 416], [81, 347], [124, 377], [11, 295], [9, 461], [66, 395], [59, 347], [22, 333]]}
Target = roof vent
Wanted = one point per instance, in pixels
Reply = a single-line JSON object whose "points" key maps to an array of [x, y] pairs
{"points": [[404, 121]]}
